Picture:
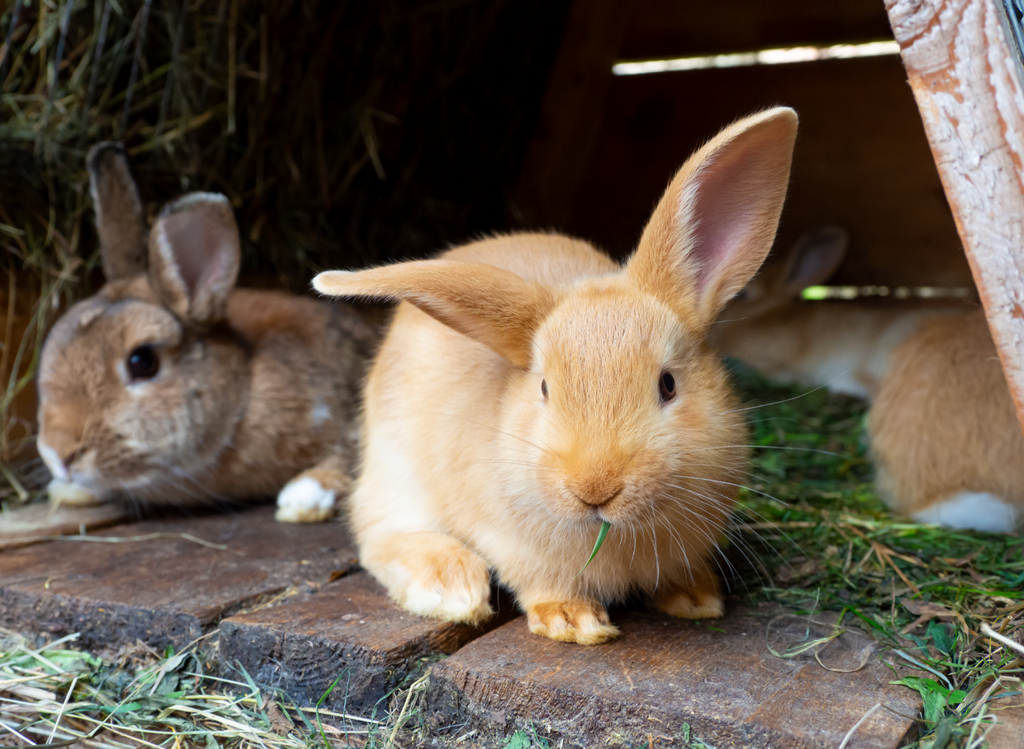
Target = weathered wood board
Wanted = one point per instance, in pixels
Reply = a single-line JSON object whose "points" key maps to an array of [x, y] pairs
{"points": [[966, 83], [40, 521], [348, 630], [1008, 732], [165, 581], [664, 678]]}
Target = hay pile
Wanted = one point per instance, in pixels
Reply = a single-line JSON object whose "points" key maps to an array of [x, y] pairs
{"points": [[344, 132]]}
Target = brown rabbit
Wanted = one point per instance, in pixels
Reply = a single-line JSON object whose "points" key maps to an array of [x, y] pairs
{"points": [[944, 432], [843, 345], [170, 385], [530, 389]]}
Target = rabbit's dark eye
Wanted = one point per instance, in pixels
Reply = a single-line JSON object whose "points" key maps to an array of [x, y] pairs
{"points": [[544, 388], [143, 363], [666, 387]]}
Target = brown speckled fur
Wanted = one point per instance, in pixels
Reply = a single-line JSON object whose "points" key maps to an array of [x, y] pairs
{"points": [[245, 399]]}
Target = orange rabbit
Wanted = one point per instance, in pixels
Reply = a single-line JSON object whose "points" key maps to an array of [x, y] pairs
{"points": [[530, 389]]}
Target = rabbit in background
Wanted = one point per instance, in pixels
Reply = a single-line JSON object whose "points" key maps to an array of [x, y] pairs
{"points": [[171, 386], [843, 345], [942, 426], [530, 389], [944, 432]]}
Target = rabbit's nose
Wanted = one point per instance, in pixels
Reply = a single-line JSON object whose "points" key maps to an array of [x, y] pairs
{"points": [[595, 490]]}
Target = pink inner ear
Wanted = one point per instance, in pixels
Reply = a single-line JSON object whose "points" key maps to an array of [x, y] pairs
{"points": [[723, 213], [201, 248]]}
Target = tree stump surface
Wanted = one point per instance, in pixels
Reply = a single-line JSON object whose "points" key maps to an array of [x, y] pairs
{"points": [[164, 582], [39, 522], [349, 633], [291, 609], [666, 678]]}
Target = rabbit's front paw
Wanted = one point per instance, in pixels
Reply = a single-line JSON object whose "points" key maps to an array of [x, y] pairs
{"points": [[581, 620], [304, 500], [440, 578]]}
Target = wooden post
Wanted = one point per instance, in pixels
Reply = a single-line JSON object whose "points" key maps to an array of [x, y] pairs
{"points": [[965, 79]]}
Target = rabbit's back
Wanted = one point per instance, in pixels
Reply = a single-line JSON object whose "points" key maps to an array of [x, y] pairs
{"points": [[944, 427]]}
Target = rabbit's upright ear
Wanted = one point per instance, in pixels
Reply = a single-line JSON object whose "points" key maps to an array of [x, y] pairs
{"points": [[119, 220], [194, 253], [716, 221], [814, 259], [490, 305]]}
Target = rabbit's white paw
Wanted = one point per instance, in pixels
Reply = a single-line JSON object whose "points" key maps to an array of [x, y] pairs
{"points": [[304, 500]]}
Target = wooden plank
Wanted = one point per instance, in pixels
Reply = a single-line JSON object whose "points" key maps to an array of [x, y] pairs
{"points": [[165, 581], [41, 520], [861, 161], [349, 629], [1008, 733], [558, 153], [966, 83], [668, 28], [665, 677]]}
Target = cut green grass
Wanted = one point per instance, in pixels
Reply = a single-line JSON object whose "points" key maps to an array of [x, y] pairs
{"points": [[597, 546], [812, 535]]}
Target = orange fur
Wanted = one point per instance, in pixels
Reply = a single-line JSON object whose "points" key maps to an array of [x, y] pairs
{"points": [[944, 421], [466, 459]]}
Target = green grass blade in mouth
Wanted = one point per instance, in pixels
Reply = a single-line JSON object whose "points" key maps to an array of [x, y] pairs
{"points": [[597, 545]]}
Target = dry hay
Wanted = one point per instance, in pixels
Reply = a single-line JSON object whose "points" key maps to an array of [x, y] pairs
{"points": [[344, 133]]}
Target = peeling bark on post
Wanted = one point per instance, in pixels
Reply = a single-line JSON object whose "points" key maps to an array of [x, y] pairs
{"points": [[963, 76]]}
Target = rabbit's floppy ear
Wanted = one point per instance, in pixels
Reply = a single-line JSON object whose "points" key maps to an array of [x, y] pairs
{"points": [[490, 305], [716, 222], [194, 252], [119, 220]]}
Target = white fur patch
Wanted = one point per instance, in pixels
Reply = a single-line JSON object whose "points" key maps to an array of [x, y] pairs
{"points": [[320, 412], [53, 461], [979, 511], [304, 500]]}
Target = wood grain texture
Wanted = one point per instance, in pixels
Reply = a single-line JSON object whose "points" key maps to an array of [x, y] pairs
{"points": [[1008, 732], [971, 101], [40, 520], [165, 581], [348, 629], [662, 673]]}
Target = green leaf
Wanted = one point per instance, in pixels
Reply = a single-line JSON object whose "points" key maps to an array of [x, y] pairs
{"points": [[934, 695], [519, 740], [940, 636], [597, 545]]}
